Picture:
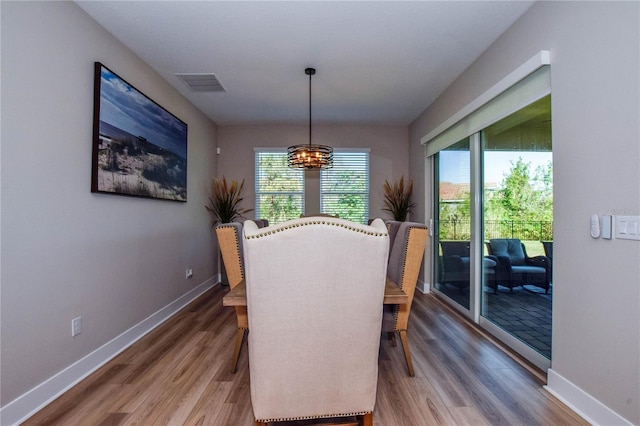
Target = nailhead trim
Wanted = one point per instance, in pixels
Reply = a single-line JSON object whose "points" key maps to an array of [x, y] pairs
{"points": [[324, 416], [235, 231], [404, 266], [315, 222]]}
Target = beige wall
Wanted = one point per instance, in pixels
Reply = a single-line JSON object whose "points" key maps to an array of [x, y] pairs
{"points": [[388, 158], [66, 252], [595, 64]]}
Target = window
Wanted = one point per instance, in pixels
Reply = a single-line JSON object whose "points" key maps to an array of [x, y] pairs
{"points": [[279, 189], [344, 189]]}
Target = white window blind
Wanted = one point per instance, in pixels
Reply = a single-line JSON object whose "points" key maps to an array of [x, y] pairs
{"points": [[279, 190], [344, 189], [478, 115]]}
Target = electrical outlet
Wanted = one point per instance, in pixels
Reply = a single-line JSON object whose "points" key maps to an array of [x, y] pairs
{"points": [[189, 273], [76, 326]]}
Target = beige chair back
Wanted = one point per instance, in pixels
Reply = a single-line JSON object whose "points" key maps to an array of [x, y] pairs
{"points": [[315, 289], [405, 259], [319, 215], [230, 242]]}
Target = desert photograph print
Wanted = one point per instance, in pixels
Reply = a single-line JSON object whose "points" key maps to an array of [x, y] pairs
{"points": [[139, 148]]}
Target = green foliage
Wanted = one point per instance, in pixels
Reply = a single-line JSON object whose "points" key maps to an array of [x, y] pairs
{"points": [[224, 202], [279, 191], [397, 199], [345, 193], [280, 208], [346, 206], [522, 196], [522, 207]]}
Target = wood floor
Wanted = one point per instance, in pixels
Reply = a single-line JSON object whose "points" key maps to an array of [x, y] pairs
{"points": [[179, 375]]}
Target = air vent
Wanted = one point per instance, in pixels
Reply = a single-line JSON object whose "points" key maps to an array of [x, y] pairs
{"points": [[201, 82]]}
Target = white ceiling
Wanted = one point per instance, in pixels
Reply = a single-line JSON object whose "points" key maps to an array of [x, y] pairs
{"points": [[377, 62]]}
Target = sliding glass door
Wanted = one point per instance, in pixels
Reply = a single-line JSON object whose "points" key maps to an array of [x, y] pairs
{"points": [[518, 224], [452, 223], [493, 217]]}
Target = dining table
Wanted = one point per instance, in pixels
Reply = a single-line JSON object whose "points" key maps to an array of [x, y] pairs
{"points": [[393, 294]]}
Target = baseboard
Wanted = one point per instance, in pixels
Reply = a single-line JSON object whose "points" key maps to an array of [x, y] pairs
{"points": [[424, 287], [581, 402], [37, 398]]}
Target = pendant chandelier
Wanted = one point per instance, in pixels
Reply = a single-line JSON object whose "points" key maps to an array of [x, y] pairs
{"points": [[309, 156]]}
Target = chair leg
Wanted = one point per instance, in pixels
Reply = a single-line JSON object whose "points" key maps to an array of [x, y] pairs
{"points": [[407, 354], [261, 423], [236, 350], [366, 419], [392, 337]]}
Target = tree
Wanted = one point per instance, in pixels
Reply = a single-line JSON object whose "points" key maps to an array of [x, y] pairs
{"points": [[280, 189], [524, 198]]}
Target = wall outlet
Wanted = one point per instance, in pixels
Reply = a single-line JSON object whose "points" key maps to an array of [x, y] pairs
{"points": [[188, 273], [76, 326]]}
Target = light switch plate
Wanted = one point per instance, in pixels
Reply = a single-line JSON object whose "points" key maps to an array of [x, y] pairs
{"points": [[627, 227]]}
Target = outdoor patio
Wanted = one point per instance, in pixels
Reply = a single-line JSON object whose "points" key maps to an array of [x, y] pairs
{"points": [[525, 313]]}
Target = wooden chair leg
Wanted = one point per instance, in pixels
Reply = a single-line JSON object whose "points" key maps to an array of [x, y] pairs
{"points": [[392, 337], [236, 350], [366, 419], [407, 354]]}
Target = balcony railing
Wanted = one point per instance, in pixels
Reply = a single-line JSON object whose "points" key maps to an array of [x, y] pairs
{"points": [[524, 230]]}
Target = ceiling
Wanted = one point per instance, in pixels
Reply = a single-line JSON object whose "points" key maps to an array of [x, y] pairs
{"points": [[377, 62]]}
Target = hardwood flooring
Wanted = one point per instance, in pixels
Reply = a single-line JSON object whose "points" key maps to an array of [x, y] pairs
{"points": [[179, 375]]}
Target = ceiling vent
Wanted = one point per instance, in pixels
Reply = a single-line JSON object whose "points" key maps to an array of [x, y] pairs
{"points": [[201, 82]]}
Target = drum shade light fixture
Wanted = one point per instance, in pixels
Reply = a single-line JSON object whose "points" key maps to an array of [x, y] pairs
{"points": [[309, 156]]}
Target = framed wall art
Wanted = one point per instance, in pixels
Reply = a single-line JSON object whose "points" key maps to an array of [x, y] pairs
{"points": [[139, 148]]}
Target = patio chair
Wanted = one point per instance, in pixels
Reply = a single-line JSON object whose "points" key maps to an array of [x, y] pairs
{"points": [[548, 251], [515, 268], [456, 257], [315, 289]]}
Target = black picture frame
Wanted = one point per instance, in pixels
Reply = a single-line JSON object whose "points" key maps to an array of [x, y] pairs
{"points": [[139, 148]]}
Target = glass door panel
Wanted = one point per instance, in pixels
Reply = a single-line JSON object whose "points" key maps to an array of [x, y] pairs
{"points": [[518, 222], [452, 223]]}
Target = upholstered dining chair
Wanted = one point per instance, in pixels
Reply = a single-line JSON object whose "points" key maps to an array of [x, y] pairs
{"points": [[319, 215], [315, 289], [405, 260], [230, 242]]}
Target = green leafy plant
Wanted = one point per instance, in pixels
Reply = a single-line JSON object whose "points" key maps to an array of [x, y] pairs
{"points": [[397, 199], [224, 202]]}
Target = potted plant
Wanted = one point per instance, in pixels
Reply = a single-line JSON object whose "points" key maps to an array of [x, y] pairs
{"points": [[224, 202], [397, 199]]}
